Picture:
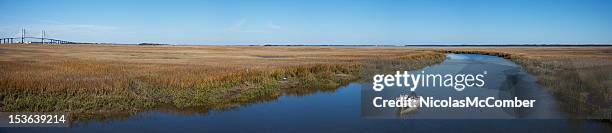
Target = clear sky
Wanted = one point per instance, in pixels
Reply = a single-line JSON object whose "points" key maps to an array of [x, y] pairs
{"points": [[393, 22]]}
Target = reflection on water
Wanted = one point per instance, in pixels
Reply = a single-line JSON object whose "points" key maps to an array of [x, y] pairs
{"points": [[340, 111], [503, 79]]}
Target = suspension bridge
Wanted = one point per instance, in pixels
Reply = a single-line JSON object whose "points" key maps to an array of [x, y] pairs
{"points": [[25, 39]]}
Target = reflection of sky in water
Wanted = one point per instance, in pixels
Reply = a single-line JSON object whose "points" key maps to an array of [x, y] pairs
{"points": [[472, 57], [504, 80]]}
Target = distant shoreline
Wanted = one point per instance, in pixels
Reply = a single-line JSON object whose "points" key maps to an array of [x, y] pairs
{"points": [[350, 45], [467, 45]]}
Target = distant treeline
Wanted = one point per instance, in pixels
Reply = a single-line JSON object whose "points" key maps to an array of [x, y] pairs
{"points": [[320, 45], [152, 44], [455, 45], [515, 45]]}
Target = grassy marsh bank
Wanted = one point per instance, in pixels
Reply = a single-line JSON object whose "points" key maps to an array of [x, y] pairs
{"points": [[89, 79], [579, 77]]}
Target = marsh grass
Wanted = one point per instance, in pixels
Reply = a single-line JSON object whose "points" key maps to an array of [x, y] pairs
{"points": [[89, 80]]}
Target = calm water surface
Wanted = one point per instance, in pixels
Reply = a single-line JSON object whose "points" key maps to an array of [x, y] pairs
{"points": [[340, 111]]}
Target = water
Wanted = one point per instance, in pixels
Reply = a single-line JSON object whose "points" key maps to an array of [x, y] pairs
{"points": [[502, 80], [340, 111]]}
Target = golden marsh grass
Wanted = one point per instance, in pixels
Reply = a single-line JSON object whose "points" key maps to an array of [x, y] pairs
{"points": [[113, 78], [119, 78]]}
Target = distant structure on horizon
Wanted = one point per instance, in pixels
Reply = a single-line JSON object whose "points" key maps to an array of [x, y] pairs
{"points": [[24, 39]]}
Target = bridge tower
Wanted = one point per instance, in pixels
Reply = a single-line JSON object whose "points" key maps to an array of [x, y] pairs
{"points": [[22, 35]]}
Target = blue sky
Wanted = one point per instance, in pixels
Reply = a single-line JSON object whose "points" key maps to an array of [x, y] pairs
{"points": [[390, 22]]}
